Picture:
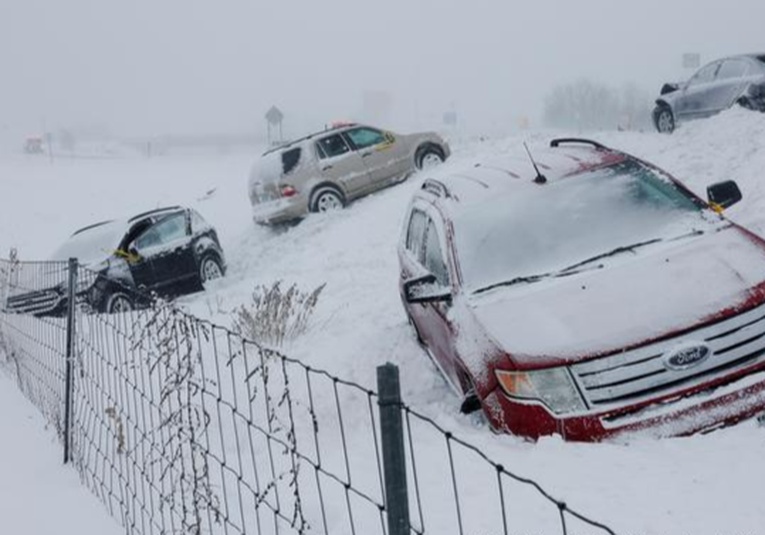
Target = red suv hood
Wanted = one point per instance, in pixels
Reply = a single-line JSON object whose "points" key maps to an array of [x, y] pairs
{"points": [[635, 298]]}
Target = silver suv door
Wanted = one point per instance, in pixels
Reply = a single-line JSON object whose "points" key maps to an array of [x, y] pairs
{"points": [[340, 163], [384, 156]]}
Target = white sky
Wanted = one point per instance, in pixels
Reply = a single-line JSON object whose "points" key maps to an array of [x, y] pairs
{"points": [[158, 66]]}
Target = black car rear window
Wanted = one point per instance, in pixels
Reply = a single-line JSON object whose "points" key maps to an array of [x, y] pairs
{"points": [[290, 159]]}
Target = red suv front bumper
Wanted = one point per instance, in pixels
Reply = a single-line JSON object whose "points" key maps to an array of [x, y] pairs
{"points": [[704, 408]]}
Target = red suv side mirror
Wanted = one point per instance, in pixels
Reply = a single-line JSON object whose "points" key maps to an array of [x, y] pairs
{"points": [[426, 289], [723, 194]]}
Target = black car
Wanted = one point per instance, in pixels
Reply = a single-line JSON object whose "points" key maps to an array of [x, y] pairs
{"points": [[715, 87], [166, 252]]}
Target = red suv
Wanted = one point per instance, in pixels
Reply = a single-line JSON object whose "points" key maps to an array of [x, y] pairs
{"points": [[587, 293]]}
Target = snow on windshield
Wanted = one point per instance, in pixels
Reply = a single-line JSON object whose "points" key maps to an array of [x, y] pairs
{"points": [[93, 244], [550, 227]]}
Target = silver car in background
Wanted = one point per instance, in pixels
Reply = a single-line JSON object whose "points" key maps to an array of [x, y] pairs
{"points": [[326, 170], [737, 80]]}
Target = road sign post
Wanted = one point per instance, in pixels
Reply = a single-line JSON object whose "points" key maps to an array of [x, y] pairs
{"points": [[274, 118]]}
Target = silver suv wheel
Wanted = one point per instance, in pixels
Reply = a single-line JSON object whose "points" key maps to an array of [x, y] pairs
{"points": [[430, 160], [327, 200]]}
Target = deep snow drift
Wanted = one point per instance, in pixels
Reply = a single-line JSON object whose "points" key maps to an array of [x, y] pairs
{"points": [[702, 485]]}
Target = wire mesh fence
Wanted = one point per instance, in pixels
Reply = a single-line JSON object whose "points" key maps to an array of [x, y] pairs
{"points": [[183, 426], [35, 344]]}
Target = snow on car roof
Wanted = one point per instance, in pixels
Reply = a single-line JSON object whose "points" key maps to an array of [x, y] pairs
{"points": [[514, 171], [93, 243], [156, 211], [97, 241]]}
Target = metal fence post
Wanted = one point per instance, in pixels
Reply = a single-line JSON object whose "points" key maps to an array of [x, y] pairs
{"points": [[394, 459], [68, 376]]}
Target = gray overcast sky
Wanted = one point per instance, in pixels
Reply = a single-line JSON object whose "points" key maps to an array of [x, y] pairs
{"points": [[158, 66]]}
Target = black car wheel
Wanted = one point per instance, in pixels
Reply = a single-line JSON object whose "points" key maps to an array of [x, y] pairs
{"points": [[326, 199], [118, 302], [664, 119], [428, 157], [210, 268]]}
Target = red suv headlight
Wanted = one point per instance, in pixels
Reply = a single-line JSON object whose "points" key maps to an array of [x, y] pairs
{"points": [[554, 387]]}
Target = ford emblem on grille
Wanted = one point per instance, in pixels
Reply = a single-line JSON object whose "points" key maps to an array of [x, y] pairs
{"points": [[687, 357]]}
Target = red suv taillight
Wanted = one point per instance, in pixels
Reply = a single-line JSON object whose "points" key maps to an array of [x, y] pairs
{"points": [[288, 191]]}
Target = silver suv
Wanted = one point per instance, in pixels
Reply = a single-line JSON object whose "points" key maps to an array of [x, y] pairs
{"points": [[328, 169]]}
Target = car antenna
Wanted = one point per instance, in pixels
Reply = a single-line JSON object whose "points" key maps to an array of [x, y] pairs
{"points": [[540, 178]]}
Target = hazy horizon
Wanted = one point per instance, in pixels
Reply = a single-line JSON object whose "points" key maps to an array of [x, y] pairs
{"points": [[144, 68]]}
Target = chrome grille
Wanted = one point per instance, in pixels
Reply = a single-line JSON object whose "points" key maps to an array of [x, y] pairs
{"points": [[641, 374], [39, 302]]}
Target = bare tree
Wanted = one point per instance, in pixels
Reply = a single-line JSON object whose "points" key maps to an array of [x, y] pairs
{"points": [[587, 105]]}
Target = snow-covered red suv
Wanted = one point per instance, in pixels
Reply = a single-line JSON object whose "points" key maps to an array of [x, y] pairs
{"points": [[594, 297]]}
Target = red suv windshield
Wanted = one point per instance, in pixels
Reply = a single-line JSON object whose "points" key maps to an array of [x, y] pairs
{"points": [[547, 228]]}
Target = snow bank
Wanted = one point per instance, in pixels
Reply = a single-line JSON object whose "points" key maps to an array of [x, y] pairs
{"points": [[38, 495], [701, 485]]}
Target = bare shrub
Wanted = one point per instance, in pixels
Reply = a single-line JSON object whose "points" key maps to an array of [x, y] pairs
{"points": [[275, 316], [589, 105]]}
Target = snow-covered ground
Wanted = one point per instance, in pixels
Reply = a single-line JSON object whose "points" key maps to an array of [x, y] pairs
{"points": [[37, 495], [701, 485]]}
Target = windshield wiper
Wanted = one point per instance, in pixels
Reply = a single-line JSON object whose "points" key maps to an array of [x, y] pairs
{"points": [[570, 270], [625, 249], [511, 282], [613, 252]]}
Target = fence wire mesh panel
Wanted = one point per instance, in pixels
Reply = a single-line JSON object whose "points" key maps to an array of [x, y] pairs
{"points": [[455, 488], [33, 332], [182, 426]]}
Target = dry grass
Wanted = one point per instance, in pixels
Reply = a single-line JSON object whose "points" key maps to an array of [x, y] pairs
{"points": [[275, 316]]}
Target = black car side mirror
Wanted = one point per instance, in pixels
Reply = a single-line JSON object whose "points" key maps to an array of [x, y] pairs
{"points": [[723, 194], [426, 289]]}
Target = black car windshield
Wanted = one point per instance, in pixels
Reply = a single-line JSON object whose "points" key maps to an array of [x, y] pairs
{"points": [[92, 244], [539, 230]]}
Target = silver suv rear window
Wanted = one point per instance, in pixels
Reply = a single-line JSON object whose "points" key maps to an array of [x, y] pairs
{"points": [[290, 159]]}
